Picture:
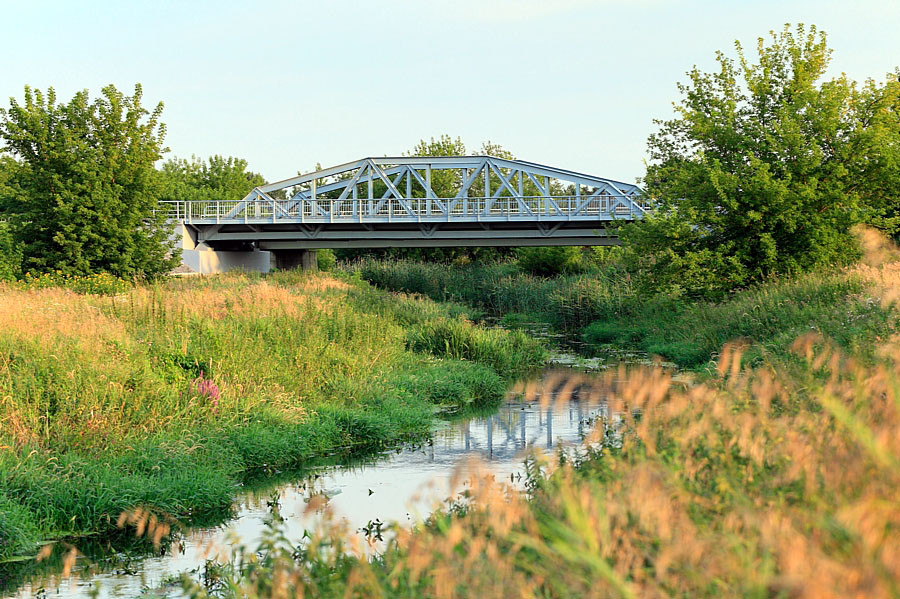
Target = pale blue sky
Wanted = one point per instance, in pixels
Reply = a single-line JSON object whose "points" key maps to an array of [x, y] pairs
{"points": [[569, 83]]}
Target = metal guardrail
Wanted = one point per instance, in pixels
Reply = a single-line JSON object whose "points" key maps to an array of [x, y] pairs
{"points": [[413, 210]]}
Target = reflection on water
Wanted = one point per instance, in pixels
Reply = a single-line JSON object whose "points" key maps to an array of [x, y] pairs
{"points": [[402, 485]]}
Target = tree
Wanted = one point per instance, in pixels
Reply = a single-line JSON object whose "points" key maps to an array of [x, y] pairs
{"points": [[219, 178], [85, 194], [10, 252], [765, 169]]}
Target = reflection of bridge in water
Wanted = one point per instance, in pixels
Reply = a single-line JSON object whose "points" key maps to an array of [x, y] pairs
{"points": [[414, 201], [519, 426]]}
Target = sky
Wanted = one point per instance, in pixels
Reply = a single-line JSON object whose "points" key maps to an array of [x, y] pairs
{"points": [[286, 85]]}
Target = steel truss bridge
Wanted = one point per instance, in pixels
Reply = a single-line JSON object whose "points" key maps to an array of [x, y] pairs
{"points": [[409, 201]]}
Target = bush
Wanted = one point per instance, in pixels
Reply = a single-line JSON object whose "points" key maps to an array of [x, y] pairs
{"points": [[549, 261], [326, 259], [10, 255]]}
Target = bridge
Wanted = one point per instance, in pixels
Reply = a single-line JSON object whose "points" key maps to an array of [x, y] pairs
{"points": [[413, 201]]}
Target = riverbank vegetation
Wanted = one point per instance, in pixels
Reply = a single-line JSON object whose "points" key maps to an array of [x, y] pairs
{"points": [[605, 309], [759, 482], [166, 395]]}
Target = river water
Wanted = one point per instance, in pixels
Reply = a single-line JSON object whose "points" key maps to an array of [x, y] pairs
{"points": [[403, 486]]}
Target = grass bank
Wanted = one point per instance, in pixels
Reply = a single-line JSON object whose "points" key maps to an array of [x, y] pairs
{"points": [[168, 395], [605, 310]]}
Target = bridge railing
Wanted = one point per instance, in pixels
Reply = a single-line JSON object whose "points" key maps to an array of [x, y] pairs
{"points": [[362, 210]]}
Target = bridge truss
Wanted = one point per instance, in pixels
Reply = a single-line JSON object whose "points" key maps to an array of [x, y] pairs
{"points": [[419, 201]]}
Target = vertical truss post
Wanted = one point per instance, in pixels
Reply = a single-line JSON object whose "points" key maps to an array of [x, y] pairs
{"points": [[429, 194], [371, 191], [356, 199], [546, 195], [521, 188]]}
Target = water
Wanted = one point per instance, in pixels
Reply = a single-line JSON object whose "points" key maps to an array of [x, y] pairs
{"points": [[402, 485]]}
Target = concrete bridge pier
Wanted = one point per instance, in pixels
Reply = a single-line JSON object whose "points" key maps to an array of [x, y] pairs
{"points": [[290, 259]]}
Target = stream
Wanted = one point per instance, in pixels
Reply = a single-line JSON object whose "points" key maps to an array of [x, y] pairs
{"points": [[403, 485]]}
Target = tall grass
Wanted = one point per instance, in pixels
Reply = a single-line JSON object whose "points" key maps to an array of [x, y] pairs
{"points": [[840, 305], [604, 309], [757, 482], [568, 302], [167, 394]]}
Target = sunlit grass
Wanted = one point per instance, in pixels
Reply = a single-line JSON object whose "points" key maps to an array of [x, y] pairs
{"points": [[165, 394]]}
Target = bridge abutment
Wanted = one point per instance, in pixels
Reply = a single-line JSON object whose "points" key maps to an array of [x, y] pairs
{"points": [[291, 259]]}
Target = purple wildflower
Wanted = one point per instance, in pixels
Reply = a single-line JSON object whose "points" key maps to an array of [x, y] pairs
{"points": [[206, 388]]}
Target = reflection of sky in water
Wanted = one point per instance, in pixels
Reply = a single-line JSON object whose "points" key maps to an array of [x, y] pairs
{"points": [[400, 486]]}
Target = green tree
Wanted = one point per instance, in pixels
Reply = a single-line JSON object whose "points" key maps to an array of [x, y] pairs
{"points": [[765, 169], [86, 189], [10, 252], [218, 178]]}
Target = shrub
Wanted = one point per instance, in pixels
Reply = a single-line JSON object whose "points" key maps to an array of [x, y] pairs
{"points": [[326, 259], [10, 255], [550, 261]]}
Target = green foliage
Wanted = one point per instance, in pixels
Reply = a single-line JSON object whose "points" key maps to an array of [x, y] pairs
{"points": [[550, 261], [455, 383], [511, 353], [10, 255], [18, 531], [769, 316], [765, 170], [567, 302], [608, 311], [85, 192], [101, 409], [216, 179], [326, 259]]}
